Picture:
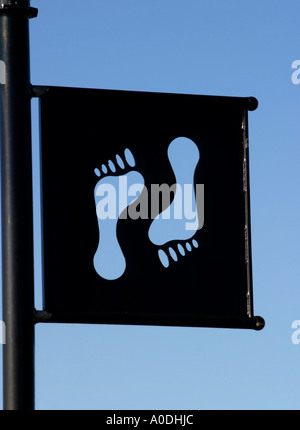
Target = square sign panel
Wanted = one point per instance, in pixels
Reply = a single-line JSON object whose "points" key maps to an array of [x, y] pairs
{"points": [[145, 202]]}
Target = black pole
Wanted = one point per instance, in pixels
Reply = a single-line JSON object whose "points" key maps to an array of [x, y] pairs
{"points": [[17, 222]]}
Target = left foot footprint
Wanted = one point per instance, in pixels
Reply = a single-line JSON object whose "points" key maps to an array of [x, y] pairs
{"points": [[111, 198]]}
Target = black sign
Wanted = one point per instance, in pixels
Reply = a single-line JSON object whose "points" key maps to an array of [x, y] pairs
{"points": [[146, 208]]}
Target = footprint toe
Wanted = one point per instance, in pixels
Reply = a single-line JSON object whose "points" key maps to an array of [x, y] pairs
{"points": [[163, 258], [97, 172], [120, 161], [111, 166], [195, 243], [173, 254], [188, 246], [181, 249], [129, 157]]}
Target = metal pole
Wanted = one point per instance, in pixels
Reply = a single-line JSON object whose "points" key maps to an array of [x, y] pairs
{"points": [[17, 220]]}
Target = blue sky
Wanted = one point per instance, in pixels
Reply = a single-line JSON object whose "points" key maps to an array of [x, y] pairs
{"points": [[210, 47]]}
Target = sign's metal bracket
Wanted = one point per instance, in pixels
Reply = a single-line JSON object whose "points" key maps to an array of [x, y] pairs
{"points": [[42, 316], [38, 90]]}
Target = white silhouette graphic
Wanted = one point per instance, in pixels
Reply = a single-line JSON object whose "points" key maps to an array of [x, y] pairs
{"points": [[183, 155], [178, 222], [111, 198]]}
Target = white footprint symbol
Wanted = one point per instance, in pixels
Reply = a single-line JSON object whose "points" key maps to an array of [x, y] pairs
{"points": [[183, 155], [109, 260]]}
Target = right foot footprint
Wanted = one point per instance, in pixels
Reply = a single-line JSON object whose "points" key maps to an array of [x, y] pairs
{"points": [[167, 226], [111, 198]]}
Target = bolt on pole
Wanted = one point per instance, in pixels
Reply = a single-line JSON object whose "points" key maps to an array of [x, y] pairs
{"points": [[17, 217]]}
